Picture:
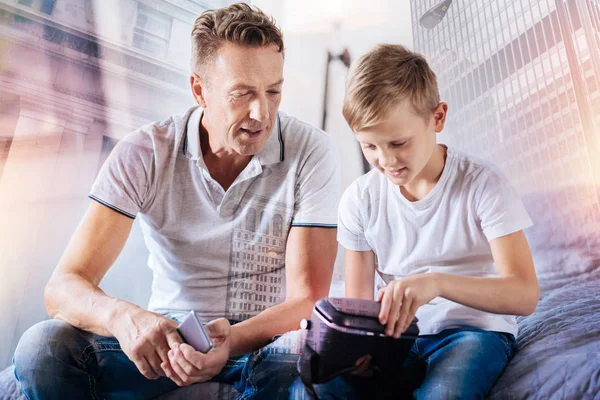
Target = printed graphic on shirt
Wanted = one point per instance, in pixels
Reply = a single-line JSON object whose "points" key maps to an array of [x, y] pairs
{"points": [[257, 261]]}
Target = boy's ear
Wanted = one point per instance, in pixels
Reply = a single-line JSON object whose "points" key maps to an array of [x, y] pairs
{"points": [[198, 87], [439, 116]]}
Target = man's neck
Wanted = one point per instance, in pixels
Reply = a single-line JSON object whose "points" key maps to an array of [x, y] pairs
{"points": [[223, 164]]}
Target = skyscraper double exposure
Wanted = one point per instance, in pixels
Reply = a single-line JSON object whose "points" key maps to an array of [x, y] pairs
{"points": [[521, 79]]}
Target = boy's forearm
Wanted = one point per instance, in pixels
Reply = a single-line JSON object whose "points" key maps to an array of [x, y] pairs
{"points": [[258, 331], [76, 301], [509, 295]]}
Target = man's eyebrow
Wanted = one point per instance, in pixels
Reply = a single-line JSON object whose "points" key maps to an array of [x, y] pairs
{"points": [[241, 86], [279, 82]]}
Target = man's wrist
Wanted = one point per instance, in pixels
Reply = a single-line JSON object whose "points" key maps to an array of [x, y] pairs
{"points": [[116, 310]]}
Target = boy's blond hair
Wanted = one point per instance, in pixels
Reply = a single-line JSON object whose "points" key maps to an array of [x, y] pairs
{"points": [[239, 24], [381, 79]]}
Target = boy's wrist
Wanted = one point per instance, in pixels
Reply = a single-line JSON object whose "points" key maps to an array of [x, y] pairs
{"points": [[438, 283]]}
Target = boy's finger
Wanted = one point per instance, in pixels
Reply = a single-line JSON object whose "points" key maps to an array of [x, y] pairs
{"points": [[404, 313], [395, 311], [386, 303]]}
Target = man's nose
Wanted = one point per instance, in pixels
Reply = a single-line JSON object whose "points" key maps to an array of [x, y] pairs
{"points": [[259, 108]]}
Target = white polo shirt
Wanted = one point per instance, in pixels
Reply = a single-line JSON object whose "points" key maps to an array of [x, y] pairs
{"points": [[221, 253], [448, 231]]}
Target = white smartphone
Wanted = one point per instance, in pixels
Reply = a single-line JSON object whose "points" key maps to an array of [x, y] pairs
{"points": [[194, 334]]}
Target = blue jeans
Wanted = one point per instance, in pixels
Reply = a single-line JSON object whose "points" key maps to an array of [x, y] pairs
{"points": [[55, 360], [460, 363]]}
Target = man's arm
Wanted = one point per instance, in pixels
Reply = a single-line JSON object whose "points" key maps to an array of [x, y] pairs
{"points": [[73, 295], [310, 256]]}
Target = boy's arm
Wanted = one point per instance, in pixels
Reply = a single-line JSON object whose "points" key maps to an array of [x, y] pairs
{"points": [[359, 274], [514, 292]]}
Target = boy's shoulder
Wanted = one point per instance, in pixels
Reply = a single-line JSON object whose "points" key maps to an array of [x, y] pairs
{"points": [[469, 168], [366, 185]]}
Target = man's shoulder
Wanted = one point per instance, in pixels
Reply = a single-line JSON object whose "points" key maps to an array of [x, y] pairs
{"points": [[159, 136]]}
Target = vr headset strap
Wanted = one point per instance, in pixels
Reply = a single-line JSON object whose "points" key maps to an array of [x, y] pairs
{"points": [[307, 367]]}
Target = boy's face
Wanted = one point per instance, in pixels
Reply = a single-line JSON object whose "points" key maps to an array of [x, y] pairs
{"points": [[402, 145]]}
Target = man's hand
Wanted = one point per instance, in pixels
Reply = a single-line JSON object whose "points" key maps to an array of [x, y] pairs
{"points": [[146, 338], [401, 298], [191, 366]]}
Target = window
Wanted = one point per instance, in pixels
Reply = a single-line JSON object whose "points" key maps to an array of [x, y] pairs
{"points": [[152, 32], [45, 6]]}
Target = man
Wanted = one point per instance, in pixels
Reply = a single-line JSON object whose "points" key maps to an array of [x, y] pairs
{"points": [[238, 209]]}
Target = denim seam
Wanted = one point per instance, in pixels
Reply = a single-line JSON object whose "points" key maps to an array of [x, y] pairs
{"points": [[257, 360], [84, 357]]}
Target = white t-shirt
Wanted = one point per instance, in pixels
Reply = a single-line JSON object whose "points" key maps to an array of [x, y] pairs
{"points": [[219, 252], [448, 231]]}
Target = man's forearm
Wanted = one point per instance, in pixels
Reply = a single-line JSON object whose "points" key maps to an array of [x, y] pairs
{"points": [[76, 301], [258, 331]]}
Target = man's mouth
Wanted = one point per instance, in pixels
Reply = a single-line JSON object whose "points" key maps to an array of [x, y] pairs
{"points": [[252, 132]]}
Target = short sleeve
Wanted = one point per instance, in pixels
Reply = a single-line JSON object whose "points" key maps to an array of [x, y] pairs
{"points": [[351, 232], [124, 180], [499, 207], [317, 190]]}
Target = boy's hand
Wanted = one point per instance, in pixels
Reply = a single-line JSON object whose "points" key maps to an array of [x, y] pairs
{"points": [[401, 298]]}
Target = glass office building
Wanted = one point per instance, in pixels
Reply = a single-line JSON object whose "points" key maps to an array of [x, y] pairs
{"points": [[521, 80]]}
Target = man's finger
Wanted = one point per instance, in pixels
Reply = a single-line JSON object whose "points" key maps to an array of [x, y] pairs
{"points": [[154, 361], [189, 368], [182, 375], [218, 327], [170, 372]]}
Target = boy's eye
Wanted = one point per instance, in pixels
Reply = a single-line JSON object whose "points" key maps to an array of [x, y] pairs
{"points": [[400, 144], [368, 146]]}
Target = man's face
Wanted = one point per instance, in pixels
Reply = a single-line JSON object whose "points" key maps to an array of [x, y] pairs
{"points": [[240, 95], [402, 144]]}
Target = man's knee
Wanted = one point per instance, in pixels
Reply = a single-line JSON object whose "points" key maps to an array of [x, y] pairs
{"points": [[43, 345]]}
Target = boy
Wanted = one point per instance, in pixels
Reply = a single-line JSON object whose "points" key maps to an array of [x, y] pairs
{"points": [[444, 231]]}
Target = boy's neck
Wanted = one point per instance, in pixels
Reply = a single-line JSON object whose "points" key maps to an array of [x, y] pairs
{"points": [[424, 183]]}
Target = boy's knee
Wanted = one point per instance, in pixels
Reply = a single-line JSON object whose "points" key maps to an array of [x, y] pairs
{"points": [[42, 345]]}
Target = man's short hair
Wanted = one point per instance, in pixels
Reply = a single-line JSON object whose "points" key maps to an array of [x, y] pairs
{"points": [[238, 23], [384, 77]]}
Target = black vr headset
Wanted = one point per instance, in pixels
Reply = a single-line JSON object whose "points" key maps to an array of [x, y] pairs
{"points": [[340, 331]]}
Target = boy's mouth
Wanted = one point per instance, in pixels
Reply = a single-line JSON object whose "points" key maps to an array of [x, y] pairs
{"points": [[395, 172]]}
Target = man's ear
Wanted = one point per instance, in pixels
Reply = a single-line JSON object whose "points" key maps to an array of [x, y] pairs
{"points": [[198, 85], [439, 116]]}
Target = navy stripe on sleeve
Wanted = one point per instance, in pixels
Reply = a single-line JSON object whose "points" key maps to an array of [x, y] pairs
{"points": [[112, 207]]}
